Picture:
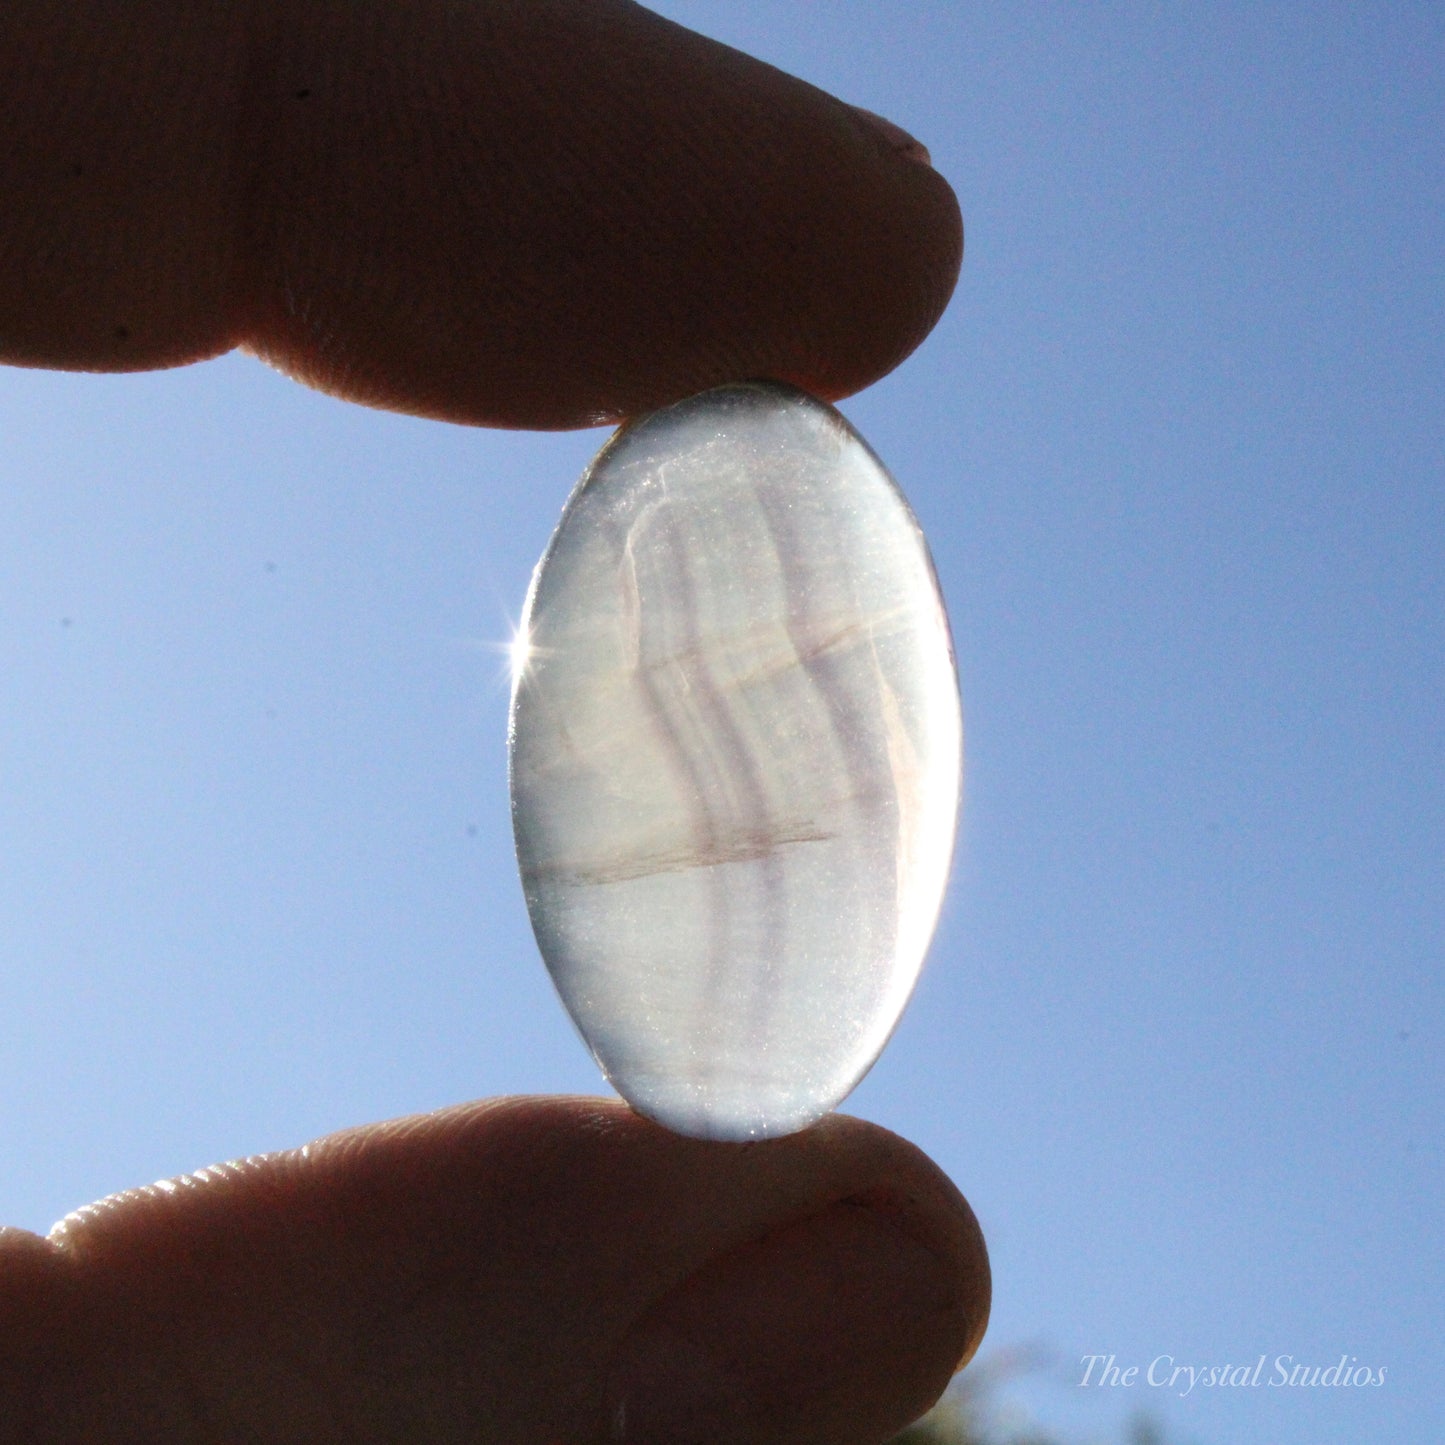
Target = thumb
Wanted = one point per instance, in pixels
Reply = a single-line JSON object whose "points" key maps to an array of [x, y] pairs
{"points": [[522, 1272]]}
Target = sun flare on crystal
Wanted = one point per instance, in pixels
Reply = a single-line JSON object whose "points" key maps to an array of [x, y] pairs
{"points": [[519, 652]]}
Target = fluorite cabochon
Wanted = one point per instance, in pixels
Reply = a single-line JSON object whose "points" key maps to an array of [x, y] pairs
{"points": [[735, 759]]}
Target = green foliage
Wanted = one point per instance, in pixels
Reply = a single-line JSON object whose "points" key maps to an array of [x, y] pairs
{"points": [[969, 1414], [952, 1424]]}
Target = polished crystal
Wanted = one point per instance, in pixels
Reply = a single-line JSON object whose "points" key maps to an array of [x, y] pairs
{"points": [[735, 755]]}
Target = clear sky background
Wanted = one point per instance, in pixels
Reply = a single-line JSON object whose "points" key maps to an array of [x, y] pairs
{"points": [[1178, 446]]}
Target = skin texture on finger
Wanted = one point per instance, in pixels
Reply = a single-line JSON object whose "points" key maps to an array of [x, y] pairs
{"points": [[523, 1272], [529, 213], [119, 189]]}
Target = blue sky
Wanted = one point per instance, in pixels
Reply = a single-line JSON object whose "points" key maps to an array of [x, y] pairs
{"points": [[1178, 446]]}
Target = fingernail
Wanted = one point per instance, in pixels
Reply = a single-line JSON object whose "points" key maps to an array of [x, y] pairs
{"points": [[895, 135], [839, 1325]]}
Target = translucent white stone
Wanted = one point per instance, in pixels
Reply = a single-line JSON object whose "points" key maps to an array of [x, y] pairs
{"points": [[735, 754]]}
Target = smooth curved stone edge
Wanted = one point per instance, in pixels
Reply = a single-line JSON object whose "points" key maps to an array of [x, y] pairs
{"points": [[735, 753]]}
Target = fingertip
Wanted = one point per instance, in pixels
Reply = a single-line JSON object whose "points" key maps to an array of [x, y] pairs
{"points": [[839, 1328], [560, 215]]}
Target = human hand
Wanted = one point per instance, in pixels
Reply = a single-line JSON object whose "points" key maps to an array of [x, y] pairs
{"points": [[526, 213], [518, 1271], [529, 1270]]}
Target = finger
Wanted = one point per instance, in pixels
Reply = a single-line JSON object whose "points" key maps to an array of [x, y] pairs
{"points": [[515, 212], [524, 1271]]}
